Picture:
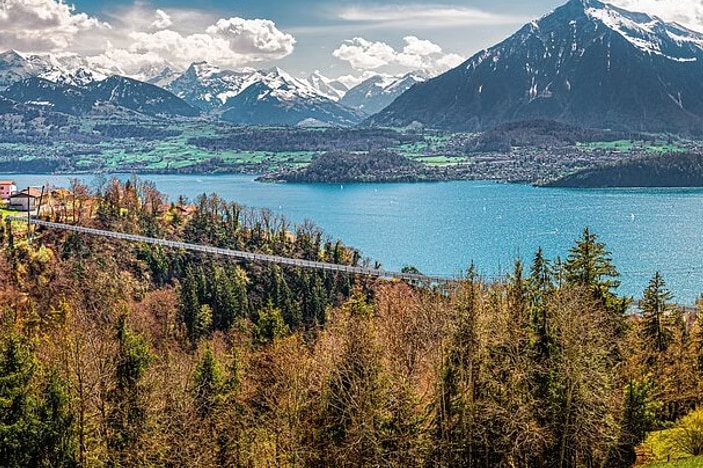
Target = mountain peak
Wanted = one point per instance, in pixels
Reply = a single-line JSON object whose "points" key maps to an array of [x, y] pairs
{"points": [[585, 63]]}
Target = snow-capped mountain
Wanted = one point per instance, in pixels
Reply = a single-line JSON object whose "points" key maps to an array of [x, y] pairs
{"points": [[587, 63], [158, 75], [69, 69], [208, 87], [331, 89], [114, 92], [267, 97], [277, 98], [376, 93]]}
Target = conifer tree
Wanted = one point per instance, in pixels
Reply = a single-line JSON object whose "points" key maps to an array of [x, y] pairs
{"points": [[655, 308], [209, 382], [57, 441], [127, 418], [19, 426]]}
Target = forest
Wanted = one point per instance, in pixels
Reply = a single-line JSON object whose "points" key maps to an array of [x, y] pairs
{"points": [[122, 354], [662, 170], [344, 167]]}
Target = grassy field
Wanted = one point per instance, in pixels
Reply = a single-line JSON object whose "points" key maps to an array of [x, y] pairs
{"points": [[628, 145], [692, 462]]}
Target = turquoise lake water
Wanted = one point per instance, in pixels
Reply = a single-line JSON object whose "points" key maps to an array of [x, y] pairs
{"points": [[441, 227]]}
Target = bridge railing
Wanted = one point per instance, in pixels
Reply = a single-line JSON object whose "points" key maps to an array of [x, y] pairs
{"points": [[241, 255]]}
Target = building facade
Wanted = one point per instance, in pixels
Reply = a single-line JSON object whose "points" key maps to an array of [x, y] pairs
{"points": [[7, 188]]}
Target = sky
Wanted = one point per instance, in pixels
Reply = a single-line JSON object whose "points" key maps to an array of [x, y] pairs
{"points": [[347, 39]]}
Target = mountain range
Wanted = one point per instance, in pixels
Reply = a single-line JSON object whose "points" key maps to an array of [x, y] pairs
{"points": [[247, 96], [586, 63]]}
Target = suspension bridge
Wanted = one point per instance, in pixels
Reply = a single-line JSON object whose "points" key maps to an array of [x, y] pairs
{"points": [[238, 254]]}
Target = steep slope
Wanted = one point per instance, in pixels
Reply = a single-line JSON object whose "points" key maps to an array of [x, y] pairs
{"points": [[277, 98], [14, 67], [378, 92], [55, 97], [331, 89], [116, 91], [587, 63], [140, 97]]}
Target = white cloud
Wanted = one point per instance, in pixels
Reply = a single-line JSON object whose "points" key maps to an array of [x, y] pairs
{"points": [[230, 42], [162, 21], [351, 81], [423, 16], [417, 54], [257, 37], [140, 36], [686, 12], [42, 24]]}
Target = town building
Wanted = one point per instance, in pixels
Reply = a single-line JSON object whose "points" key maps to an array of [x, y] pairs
{"points": [[26, 200], [7, 188]]}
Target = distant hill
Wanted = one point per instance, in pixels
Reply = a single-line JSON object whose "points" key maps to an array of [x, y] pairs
{"points": [[117, 91], [587, 63], [345, 167], [542, 134], [666, 170]]}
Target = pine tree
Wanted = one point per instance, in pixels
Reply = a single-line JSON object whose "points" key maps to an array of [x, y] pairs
{"points": [[269, 324], [453, 425], [209, 382], [655, 308], [19, 426], [57, 435], [590, 264], [189, 302]]}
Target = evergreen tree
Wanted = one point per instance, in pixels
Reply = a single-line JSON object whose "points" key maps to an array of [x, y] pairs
{"points": [[269, 324], [127, 418], [58, 445], [19, 426], [590, 264], [655, 307], [209, 382], [189, 302], [452, 429]]}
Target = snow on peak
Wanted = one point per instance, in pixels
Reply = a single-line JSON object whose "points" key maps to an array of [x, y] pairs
{"points": [[648, 33]]}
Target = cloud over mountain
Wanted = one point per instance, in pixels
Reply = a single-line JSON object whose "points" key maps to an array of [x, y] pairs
{"points": [[138, 36]]}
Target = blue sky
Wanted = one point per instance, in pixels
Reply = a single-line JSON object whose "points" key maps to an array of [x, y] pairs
{"points": [[350, 38]]}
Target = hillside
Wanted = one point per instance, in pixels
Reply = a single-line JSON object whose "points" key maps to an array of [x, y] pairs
{"points": [[666, 170]]}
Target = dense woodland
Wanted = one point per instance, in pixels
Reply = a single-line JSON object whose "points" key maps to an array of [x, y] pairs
{"points": [[544, 134], [119, 354], [662, 170], [295, 139], [343, 167]]}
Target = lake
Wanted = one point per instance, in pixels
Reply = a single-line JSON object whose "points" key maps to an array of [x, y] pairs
{"points": [[440, 228]]}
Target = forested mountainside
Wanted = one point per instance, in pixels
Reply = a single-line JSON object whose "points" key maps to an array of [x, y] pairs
{"points": [[663, 170], [123, 354]]}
